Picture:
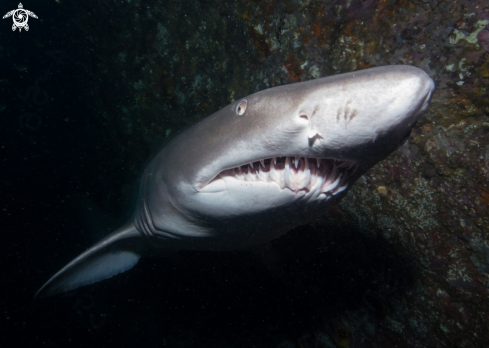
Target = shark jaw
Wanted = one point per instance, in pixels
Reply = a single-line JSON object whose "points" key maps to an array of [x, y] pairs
{"points": [[320, 178]]}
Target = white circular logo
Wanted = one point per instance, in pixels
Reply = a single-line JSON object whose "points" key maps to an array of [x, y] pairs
{"points": [[20, 18]]}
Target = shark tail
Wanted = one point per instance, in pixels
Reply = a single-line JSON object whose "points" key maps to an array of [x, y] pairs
{"points": [[116, 253]]}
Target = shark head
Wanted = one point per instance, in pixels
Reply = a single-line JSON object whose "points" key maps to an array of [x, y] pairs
{"points": [[286, 151]]}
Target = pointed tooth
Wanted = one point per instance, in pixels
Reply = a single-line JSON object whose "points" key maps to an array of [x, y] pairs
{"points": [[251, 165], [262, 163], [314, 177], [275, 160], [247, 175], [317, 182], [297, 158], [303, 177], [330, 186], [261, 175], [272, 174], [318, 162], [307, 172], [340, 189], [329, 176], [287, 172]]}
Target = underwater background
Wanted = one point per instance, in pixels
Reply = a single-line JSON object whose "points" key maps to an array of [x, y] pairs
{"points": [[95, 86]]}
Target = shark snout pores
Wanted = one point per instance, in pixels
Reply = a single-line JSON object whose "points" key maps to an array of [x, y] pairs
{"points": [[346, 113]]}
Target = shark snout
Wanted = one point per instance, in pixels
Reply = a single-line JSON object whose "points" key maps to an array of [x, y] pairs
{"points": [[392, 102], [363, 111], [412, 97], [427, 91]]}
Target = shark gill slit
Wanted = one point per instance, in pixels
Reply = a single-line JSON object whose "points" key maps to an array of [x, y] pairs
{"points": [[144, 224]]}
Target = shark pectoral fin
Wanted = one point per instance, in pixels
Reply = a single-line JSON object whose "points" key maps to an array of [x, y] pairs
{"points": [[114, 254]]}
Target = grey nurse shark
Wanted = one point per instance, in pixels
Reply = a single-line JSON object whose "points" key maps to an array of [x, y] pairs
{"points": [[258, 168]]}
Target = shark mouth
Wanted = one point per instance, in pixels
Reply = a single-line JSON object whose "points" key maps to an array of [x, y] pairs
{"points": [[320, 175]]}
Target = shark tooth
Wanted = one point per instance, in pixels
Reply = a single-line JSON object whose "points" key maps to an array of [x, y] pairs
{"points": [[287, 172]]}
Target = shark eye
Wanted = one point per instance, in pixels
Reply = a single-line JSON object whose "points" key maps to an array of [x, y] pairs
{"points": [[241, 108]]}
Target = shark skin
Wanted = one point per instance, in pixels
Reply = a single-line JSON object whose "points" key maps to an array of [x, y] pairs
{"points": [[259, 167]]}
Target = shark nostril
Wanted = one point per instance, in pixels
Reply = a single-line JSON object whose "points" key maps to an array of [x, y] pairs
{"points": [[304, 116]]}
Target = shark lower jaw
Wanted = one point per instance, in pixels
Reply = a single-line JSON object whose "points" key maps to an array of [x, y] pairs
{"points": [[322, 177]]}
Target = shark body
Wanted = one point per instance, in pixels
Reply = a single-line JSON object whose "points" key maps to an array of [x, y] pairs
{"points": [[259, 167]]}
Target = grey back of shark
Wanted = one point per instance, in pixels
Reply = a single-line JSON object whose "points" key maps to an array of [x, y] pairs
{"points": [[259, 167]]}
